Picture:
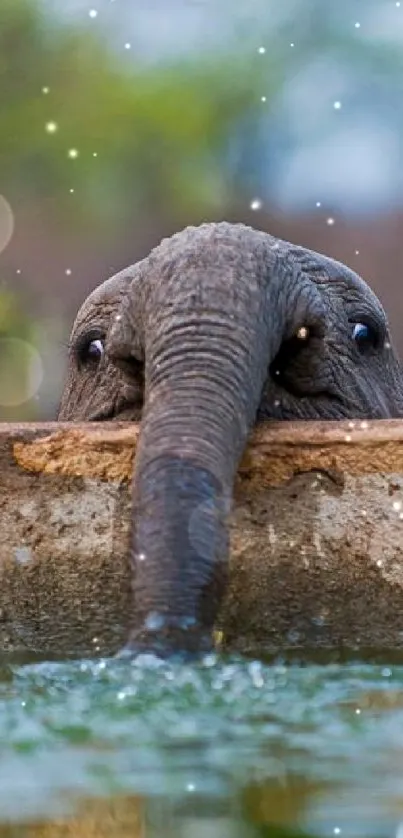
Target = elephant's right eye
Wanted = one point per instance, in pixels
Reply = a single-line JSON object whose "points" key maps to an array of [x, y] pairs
{"points": [[90, 350], [365, 336]]}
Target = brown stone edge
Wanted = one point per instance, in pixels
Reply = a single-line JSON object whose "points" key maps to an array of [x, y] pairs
{"points": [[276, 451]]}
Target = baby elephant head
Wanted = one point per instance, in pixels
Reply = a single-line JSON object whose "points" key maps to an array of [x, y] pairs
{"points": [[219, 327]]}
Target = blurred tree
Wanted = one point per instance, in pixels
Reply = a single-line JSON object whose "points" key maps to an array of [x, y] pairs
{"points": [[21, 368], [125, 138]]}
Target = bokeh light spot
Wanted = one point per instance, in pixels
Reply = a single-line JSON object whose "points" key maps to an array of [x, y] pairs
{"points": [[6, 223], [21, 371]]}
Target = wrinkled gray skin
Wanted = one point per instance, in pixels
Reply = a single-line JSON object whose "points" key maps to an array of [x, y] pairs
{"points": [[201, 340]]}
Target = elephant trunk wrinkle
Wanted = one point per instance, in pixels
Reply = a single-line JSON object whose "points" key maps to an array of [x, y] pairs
{"points": [[182, 510], [195, 425]]}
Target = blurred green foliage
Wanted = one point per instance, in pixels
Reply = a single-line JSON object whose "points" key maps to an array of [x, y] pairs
{"points": [[20, 364], [159, 133]]}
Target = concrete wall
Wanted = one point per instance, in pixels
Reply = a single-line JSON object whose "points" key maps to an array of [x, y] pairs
{"points": [[316, 533]]}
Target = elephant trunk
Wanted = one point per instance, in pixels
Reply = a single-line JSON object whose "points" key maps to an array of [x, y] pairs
{"points": [[195, 425], [210, 336]]}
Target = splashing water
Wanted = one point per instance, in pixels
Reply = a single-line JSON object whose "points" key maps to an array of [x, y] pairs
{"points": [[288, 748]]}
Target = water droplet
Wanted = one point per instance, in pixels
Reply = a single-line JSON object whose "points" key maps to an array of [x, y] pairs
{"points": [[68, 271], [45, 90], [128, 45], [141, 556], [379, 563], [351, 424], [263, 99], [397, 4], [347, 438], [190, 787], [364, 425], [255, 672], [154, 621], [121, 695], [337, 830], [319, 621], [72, 153], [95, 154], [23, 555], [386, 672], [186, 622], [292, 45], [256, 204], [93, 13], [337, 105], [357, 252], [357, 25], [397, 505], [262, 50], [277, 403], [358, 711], [209, 660], [71, 190], [51, 127], [330, 221], [318, 204]]}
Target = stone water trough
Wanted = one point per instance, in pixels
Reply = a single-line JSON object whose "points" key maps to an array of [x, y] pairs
{"points": [[316, 539]]}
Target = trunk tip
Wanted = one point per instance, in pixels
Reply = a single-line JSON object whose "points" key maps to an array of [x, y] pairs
{"points": [[181, 638]]}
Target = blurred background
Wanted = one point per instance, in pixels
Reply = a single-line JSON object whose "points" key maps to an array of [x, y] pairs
{"points": [[121, 121]]}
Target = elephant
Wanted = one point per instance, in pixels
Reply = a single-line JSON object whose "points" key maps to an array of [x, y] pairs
{"points": [[220, 327]]}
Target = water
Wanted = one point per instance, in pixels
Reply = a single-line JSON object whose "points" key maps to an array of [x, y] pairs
{"points": [[228, 747]]}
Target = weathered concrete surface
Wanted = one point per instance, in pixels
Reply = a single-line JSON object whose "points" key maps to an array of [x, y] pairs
{"points": [[317, 547]]}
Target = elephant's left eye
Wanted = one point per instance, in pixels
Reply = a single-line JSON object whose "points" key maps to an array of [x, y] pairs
{"points": [[95, 350], [90, 350]]}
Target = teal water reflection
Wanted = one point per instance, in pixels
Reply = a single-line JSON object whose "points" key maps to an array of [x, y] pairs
{"points": [[224, 748]]}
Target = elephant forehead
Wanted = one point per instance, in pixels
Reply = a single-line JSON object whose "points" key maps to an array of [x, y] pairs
{"points": [[214, 263], [213, 246], [105, 297], [224, 245], [112, 288], [333, 276], [352, 288]]}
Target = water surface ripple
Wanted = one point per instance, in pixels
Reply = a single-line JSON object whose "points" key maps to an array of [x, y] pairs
{"points": [[238, 747]]}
